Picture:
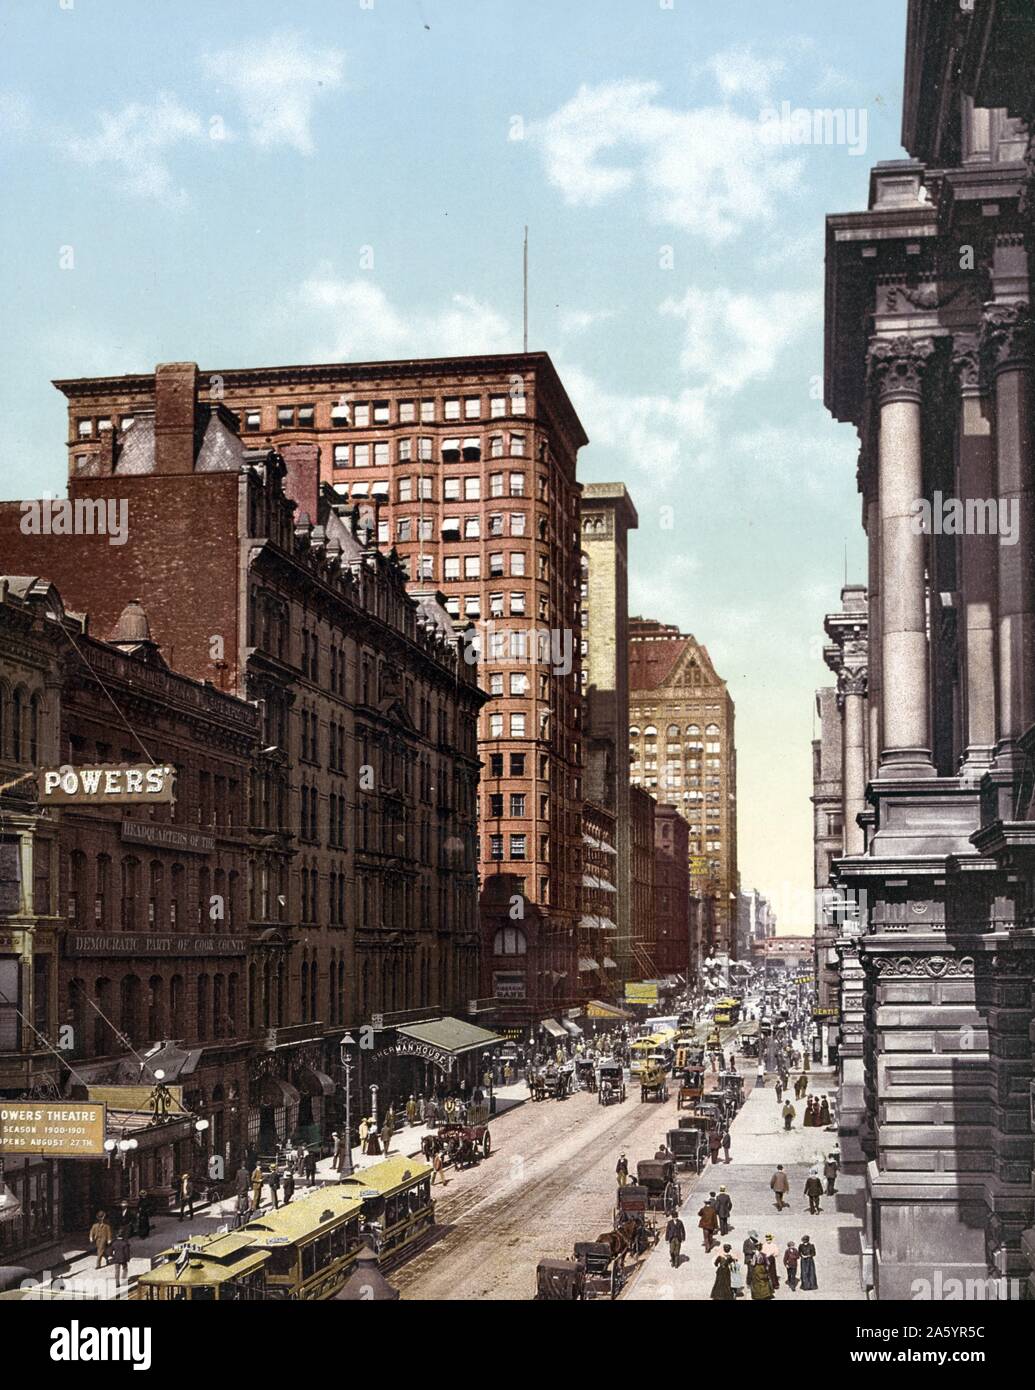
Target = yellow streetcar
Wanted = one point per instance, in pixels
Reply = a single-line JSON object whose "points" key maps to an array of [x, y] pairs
{"points": [[305, 1250]]}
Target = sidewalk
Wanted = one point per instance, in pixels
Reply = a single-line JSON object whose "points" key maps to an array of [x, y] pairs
{"points": [[71, 1258], [759, 1144]]}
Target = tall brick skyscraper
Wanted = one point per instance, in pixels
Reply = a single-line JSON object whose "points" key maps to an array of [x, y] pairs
{"points": [[683, 752], [473, 462]]}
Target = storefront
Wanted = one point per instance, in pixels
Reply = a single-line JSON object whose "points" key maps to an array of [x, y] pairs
{"points": [[30, 1207], [432, 1057]]}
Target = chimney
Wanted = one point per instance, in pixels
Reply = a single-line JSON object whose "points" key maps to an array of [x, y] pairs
{"points": [[176, 396], [302, 479]]}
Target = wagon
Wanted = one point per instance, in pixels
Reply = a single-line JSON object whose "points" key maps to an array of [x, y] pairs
{"points": [[689, 1148], [633, 1206], [586, 1074], [610, 1083], [559, 1281], [463, 1145], [658, 1177], [691, 1090], [603, 1272], [653, 1084]]}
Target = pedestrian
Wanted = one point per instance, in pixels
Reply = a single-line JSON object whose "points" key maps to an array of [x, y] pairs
{"points": [[736, 1276], [437, 1164], [708, 1221], [750, 1246], [241, 1181], [824, 1113], [242, 1208], [675, 1234], [779, 1089], [144, 1209], [788, 1112], [256, 1186], [801, 1086], [622, 1170], [310, 1164], [714, 1143], [807, 1254], [364, 1134], [725, 1142], [119, 1253], [411, 1111], [723, 1286], [723, 1207], [758, 1277], [273, 1183], [186, 1195], [430, 1112], [830, 1171], [760, 1076], [100, 1238], [813, 1191], [771, 1251], [780, 1186], [289, 1186], [387, 1132], [810, 1113], [790, 1264]]}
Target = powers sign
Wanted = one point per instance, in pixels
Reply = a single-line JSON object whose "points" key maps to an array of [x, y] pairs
{"points": [[109, 784], [56, 1129]]}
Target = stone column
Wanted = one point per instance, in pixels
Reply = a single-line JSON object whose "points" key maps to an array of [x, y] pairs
{"points": [[874, 742], [851, 690], [975, 483], [1008, 344], [896, 369]]}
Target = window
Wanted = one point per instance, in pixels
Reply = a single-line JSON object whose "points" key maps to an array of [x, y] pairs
{"points": [[496, 563], [404, 529], [495, 764], [451, 567], [405, 450], [305, 415], [340, 414], [517, 603], [380, 412], [496, 611], [495, 805], [517, 562], [425, 448], [518, 683], [517, 523], [361, 416], [453, 607], [472, 605], [517, 444], [426, 529], [517, 484], [472, 449], [472, 489], [495, 725], [285, 416], [517, 726], [472, 528], [496, 847], [517, 803], [341, 456], [427, 410], [426, 567], [252, 420], [451, 408], [405, 489], [495, 484], [472, 566], [472, 407], [424, 489], [496, 446], [496, 524], [509, 941], [407, 412], [84, 429], [496, 679], [517, 846], [497, 407], [361, 456], [517, 764], [382, 533], [451, 489], [381, 454], [517, 402]]}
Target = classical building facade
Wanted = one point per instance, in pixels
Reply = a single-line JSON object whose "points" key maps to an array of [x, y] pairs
{"points": [[472, 461], [682, 750], [608, 515], [930, 355], [362, 888]]}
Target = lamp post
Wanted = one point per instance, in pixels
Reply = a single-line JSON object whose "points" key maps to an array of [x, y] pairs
{"points": [[346, 1066]]}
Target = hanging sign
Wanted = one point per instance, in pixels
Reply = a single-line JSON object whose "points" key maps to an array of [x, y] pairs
{"points": [[108, 784]]}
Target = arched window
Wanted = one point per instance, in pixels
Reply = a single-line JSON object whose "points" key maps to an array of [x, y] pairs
{"points": [[155, 1020], [634, 730], [304, 991], [17, 730], [203, 1025], [232, 1002], [693, 728], [650, 731], [34, 729], [176, 1006], [130, 893], [712, 729], [509, 941], [218, 1005], [314, 987], [673, 731]]}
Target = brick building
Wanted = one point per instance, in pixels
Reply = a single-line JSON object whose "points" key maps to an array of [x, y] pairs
{"points": [[362, 893], [473, 461], [674, 948], [599, 975], [642, 865], [682, 750]]}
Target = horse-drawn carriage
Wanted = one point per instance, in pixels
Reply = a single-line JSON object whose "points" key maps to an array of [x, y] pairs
{"points": [[559, 1281], [634, 1218], [689, 1148], [653, 1083], [657, 1176], [610, 1083], [586, 1073], [691, 1089], [603, 1265], [550, 1082], [460, 1144]]}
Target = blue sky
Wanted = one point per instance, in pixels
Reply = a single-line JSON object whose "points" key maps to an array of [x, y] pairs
{"points": [[256, 183]]}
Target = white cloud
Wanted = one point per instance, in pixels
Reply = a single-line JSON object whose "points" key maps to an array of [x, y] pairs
{"points": [[277, 80], [135, 142], [354, 319], [579, 320], [740, 72], [731, 339], [705, 170]]}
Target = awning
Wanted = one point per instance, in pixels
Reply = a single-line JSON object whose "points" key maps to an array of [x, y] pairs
{"points": [[315, 1083], [590, 881], [610, 964], [592, 921], [596, 1008], [554, 1029], [276, 1092], [572, 1028], [608, 849], [590, 840], [586, 964], [449, 1035]]}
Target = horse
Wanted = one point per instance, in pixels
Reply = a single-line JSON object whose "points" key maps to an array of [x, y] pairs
{"points": [[621, 1241]]}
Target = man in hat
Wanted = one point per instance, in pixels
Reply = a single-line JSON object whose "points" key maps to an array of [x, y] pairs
{"points": [[723, 1208], [780, 1186], [186, 1194], [813, 1191], [708, 1221], [788, 1112]]}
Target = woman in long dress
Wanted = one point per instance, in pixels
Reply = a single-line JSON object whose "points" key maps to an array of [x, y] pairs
{"points": [[761, 1288], [824, 1113], [771, 1251], [723, 1287], [737, 1278], [807, 1255]]}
